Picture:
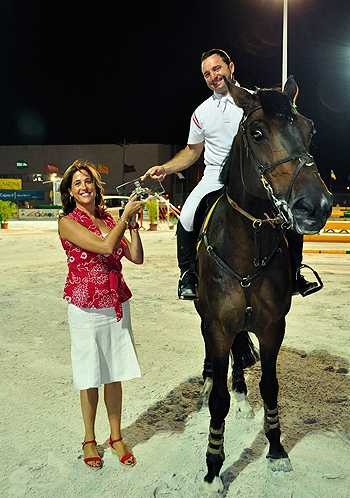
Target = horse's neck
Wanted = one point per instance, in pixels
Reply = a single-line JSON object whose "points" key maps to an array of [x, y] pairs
{"points": [[255, 206], [237, 189]]}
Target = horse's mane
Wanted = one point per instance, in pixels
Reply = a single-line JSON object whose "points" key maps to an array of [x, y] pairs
{"points": [[274, 104]]}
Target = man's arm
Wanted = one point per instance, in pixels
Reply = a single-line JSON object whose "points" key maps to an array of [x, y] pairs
{"points": [[183, 160]]}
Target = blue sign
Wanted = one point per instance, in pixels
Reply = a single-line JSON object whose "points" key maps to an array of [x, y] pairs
{"points": [[7, 195], [20, 195]]}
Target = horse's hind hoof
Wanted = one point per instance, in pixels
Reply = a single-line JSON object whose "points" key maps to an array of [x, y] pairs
{"points": [[279, 464], [212, 489], [244, 410]]}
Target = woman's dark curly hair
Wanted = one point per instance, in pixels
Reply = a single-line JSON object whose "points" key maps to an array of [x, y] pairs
{"points": [[68, 202]]}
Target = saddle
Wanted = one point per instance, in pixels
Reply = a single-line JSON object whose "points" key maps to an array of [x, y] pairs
{"points": [[203, 209]]}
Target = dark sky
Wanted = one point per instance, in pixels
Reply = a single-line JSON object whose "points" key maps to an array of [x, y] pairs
{"points": [[97, 72]]}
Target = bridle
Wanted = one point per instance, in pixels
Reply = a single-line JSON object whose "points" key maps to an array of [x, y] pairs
{"points": [[305, 159]]}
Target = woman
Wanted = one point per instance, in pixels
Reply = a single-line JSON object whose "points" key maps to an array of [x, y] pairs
{"points": [[102, 350]]}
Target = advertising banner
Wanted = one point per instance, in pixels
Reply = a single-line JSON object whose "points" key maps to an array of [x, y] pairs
{"points": [[34, 195], [21, 195], [10, 183], [38, 214], [7, 195]]}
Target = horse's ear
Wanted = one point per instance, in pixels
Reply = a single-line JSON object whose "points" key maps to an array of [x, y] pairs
{"points": [[291, 89], [242, 98]]}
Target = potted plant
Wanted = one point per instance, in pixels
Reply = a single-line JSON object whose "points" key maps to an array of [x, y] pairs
{"points": [[172, 221], [152, 210], [7, 210]]}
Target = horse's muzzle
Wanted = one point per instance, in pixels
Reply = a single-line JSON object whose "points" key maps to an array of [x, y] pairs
{"points": [[310, 214]]}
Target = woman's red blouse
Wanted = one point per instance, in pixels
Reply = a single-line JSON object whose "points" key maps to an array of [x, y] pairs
{"points": [[95, 280]]}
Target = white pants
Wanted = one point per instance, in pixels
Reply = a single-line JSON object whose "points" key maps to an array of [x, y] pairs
{"points": [[208, 183]]}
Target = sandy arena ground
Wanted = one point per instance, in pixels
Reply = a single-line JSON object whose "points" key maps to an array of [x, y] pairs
{"points": [[41, 427]]}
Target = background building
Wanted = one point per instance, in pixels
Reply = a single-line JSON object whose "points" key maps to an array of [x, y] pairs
{"points": [[26, 170]]}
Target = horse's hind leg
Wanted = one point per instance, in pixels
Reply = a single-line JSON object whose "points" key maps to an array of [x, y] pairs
{"points": [[219, 404], [243, 355], [207, 373], [278, 458]]}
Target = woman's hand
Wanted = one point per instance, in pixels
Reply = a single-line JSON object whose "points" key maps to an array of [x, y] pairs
{"points": [[132, 207]]}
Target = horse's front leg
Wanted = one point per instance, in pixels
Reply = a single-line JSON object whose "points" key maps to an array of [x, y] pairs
{"points": [[207, 374], [269, 348], [219, 404]]}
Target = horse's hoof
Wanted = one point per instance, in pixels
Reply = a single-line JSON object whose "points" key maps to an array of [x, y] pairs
{"points": [[279, 465], [212, 489], [244, 410]]}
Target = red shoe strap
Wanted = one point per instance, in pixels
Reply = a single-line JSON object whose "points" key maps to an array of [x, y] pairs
{"points": [[88, 442], [115, 440]]}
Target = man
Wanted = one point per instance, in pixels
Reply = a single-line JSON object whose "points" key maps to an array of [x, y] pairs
{"points": [[214, 124]]}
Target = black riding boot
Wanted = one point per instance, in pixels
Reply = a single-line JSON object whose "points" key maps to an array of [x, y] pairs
{"points": [[299, 283], [185, 249]]}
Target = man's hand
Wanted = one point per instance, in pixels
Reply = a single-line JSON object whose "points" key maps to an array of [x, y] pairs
{"points": [[184, 159], [156, 173]]}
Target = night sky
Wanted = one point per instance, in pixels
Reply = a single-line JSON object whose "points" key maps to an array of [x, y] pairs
{"points": [[94, 73]]}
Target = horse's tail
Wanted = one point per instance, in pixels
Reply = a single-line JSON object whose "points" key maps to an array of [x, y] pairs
{"points": [[244, 349]]}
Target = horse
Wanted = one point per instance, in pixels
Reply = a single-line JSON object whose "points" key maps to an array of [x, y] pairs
{"points": [[271, 185]]}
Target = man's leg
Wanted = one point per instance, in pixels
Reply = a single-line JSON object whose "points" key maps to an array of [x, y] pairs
{"points": [[185, 249], [186, 239], [299, 282]]}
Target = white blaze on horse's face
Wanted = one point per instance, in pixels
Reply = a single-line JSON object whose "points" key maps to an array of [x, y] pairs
{"points": [[214, 69]]}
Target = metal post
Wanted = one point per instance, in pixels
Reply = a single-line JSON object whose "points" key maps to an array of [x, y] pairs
{"points": [[284, 42]]}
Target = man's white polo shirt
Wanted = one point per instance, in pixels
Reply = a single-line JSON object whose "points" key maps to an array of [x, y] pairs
{"points": [[215, 122]]}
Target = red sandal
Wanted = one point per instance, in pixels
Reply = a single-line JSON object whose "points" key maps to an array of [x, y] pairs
{"points": [[125, 457], [92, 459]]}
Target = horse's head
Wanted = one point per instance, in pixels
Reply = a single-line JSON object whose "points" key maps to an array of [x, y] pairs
{"points": [[273, 140]]}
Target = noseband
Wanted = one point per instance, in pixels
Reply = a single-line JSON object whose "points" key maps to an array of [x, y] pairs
{"points": [[282, 205]]}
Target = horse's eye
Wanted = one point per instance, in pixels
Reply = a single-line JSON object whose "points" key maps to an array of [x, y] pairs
{"points": [[257, 134]]}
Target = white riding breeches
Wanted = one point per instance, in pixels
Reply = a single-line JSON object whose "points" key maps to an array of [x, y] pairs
{"points": [[208, 183]]}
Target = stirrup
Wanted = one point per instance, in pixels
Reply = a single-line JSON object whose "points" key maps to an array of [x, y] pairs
{"points": [[187, 285], [319, 282]]}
